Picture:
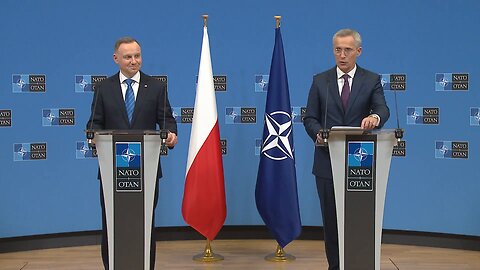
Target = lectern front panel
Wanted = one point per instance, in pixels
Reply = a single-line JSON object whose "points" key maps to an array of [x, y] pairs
{"points": [[360, 192], [128, 199]]}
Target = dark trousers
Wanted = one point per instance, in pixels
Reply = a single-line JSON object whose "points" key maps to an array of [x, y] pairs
{"points": [[104, 231], [329, 215]]}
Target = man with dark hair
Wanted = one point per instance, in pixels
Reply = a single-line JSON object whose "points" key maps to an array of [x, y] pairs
{"points": [[131, 100], [355, 99]]}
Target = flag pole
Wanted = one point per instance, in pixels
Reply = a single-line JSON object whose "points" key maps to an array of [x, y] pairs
{"points": [[205, 17], [277, 21], [279, 255], [207, 255]]}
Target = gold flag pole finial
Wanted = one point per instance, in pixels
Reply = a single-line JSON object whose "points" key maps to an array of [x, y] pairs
{"points": [[205, 17], [277, 20]]}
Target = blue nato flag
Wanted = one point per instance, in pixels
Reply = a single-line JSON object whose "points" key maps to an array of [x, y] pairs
{"points": [[276, 191]]}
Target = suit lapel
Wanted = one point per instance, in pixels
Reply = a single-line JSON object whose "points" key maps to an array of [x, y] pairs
{"points": [[356, 87], [142, 92], [334, 92]]}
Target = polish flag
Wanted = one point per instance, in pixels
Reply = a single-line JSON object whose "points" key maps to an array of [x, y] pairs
{"points": [[204, 207]]}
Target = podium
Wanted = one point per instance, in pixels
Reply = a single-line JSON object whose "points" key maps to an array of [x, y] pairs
{"points": [[360, 166], [128, 165]]}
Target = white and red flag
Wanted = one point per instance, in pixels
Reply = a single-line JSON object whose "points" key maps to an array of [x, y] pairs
{"points": [[204, 207]]}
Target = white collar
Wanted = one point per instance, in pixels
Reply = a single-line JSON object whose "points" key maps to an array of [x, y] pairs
{"points": [[135, 78], [351, 73]]}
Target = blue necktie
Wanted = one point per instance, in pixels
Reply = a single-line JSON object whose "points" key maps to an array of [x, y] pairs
{"points": [[129, 99], [345, 91]]}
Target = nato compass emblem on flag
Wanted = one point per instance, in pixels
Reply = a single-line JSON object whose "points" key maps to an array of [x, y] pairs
{"points": [[278, 143]]}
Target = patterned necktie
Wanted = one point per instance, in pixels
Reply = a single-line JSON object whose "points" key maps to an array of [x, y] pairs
{"points": [[345, 91], [129, 99]]}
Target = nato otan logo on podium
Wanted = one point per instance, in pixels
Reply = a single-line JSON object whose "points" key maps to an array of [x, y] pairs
{"points": [[360, 166], [128, 166], [451, 81], [261, 83], [423, 115], [5, 118], [58, 117], [394, 82], [475, 116], [29, 83], [240, 115], [29, 151], [83, 151], [451, 149], [87, 83]]}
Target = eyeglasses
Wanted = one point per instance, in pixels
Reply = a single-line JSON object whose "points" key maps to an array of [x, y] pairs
{"points": [[346, 51]]}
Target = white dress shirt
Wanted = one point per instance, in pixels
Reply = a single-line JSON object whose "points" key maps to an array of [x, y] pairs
{"points": [[135, 84]]}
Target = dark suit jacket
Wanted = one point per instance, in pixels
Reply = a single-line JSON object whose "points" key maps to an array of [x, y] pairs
{"points": [[366, 97], [151, 107]]}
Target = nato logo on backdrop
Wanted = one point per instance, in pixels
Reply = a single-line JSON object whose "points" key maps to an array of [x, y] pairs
{"points": [[5, 118], [183, 115], [475, 116], [223, 146], [219, 83], [58, 117], [394, 82], [451, 81], [28, 83], [87, 83], [258, 146], [451, 149], [423, 115], [29, 151], [163, 80], [261, 83], [298, 113], [83, 151], [240, 115], [128, 166], [360, 166]]}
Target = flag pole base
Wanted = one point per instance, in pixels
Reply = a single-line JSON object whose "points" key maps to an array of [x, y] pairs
{"points": [[280, 256], [208, 255]]}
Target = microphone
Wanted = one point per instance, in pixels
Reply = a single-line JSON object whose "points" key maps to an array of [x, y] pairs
{"points": [[163, 131], [398, 130], [90, 132], [324, 133]]}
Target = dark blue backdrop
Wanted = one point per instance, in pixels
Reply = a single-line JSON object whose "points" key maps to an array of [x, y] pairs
{"points": [[61, 39]]}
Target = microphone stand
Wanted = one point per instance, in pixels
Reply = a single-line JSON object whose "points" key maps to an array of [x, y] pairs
{"points": [[398, 131], [324, 133]]}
